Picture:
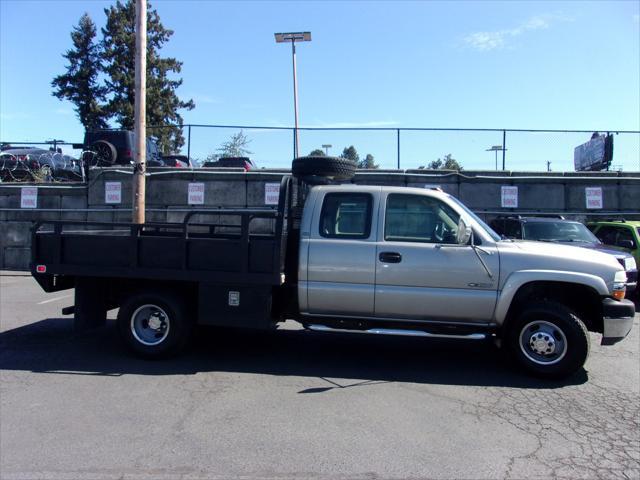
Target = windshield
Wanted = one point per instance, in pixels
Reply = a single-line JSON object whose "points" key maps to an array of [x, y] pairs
{"points": [[486, 227], [558, 232]]}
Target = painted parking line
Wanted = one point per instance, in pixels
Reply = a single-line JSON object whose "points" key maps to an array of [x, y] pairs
{"points": [[53, 299]]}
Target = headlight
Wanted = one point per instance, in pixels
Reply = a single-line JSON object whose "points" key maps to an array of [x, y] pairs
{"points": [[630, 263], [619, 285]]}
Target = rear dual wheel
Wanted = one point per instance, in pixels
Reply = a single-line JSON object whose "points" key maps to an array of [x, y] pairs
{"points": [[154, 325]]}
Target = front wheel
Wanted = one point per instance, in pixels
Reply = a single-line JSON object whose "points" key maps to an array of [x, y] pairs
{"points": [[154, 325], [548, 340]]}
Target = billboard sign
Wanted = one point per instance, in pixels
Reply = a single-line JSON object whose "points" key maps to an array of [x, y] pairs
{"points": [[594, 155]]}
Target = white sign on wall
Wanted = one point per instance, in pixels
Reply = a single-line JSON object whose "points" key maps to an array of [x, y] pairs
{"points": [[112, 192], [271, 193], [28, 197], [509, 197], [196, 194], [593, 196]]}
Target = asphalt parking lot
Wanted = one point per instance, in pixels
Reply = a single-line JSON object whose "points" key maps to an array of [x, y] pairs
{"points": [[297, 404]]}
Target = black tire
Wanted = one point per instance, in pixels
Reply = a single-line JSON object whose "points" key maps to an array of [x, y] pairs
{"points": [[550, 326], [105, 153], [172, 329], [315, 169]]}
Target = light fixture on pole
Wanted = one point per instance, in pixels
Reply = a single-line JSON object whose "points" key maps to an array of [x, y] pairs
{"points": [[496, 148], [293, 37], [326, 147]]}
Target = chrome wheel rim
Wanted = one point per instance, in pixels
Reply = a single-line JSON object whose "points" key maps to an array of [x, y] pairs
{"points": [[543, 342], [150, 325]]}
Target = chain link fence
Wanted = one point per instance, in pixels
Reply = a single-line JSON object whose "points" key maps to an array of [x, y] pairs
{"points": [[412, 148], [392, 148]]}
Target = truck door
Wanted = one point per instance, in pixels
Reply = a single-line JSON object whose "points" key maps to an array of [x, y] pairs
{"points": [[340, 277], [421, 271]]}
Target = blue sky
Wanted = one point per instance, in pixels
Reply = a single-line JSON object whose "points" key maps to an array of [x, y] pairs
{"points": [[540, 65]]}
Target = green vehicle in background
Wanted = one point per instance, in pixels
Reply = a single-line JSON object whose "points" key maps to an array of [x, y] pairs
{"points": [[620, 234]]}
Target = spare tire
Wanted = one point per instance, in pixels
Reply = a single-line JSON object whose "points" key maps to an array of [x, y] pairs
{"points": [[105, 153], [311, 169]]}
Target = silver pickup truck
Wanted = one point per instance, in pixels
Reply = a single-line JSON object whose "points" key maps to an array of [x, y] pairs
{"points": [[363, 259]]}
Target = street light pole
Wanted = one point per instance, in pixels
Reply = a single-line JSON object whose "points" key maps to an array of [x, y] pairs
{"points": [[497, 148], [295, 99], [293, 37], [326, 147]]}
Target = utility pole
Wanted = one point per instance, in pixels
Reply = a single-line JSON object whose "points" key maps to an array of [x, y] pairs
{"points": [[139, 186]]}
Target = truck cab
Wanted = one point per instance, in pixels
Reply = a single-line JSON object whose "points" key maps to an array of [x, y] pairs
{"points": [[392, 253]]}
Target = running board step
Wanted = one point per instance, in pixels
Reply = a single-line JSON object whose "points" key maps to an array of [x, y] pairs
{"points": [[397, 332]]}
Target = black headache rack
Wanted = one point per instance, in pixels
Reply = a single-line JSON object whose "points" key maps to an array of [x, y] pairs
{"points": [[219, 252]]}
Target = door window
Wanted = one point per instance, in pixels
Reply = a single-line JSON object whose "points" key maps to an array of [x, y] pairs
{"points": [[513, 229], [346, 215], [607, 235], [417, 218]]}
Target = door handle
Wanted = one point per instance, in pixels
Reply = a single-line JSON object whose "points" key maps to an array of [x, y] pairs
{"points": [[390, 257]]}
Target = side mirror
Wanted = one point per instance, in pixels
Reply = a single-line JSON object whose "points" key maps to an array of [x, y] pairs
{"points": [[625, 244], [464, 232]]}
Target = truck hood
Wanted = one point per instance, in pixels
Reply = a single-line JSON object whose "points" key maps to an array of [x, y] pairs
{"points": [[520, 255], [621, 254]]}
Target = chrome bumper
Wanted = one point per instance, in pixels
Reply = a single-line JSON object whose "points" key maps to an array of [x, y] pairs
{"points": [[617, 319]]}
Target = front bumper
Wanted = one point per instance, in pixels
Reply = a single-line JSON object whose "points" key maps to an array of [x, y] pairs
{"points": [[617, 319]]}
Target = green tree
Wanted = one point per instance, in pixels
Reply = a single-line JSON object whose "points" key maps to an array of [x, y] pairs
{"points": [[317, 153], [350, 153], [368, 162], [80, 84], [236, 146], [449, 163], [163, 103]]}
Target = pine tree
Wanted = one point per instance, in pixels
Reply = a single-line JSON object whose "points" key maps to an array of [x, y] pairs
{"points": [[80, 83], [163, 103], [449, 163], [368, 162], [350, 153]]}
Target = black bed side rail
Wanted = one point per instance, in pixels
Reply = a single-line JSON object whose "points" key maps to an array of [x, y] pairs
{"points": [[181, 230]]}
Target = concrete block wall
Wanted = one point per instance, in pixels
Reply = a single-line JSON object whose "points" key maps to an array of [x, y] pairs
{"points": [[167, 197], [54, 202]]}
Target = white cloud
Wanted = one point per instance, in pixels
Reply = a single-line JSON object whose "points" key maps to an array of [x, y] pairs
{"points": [[485, 41]]}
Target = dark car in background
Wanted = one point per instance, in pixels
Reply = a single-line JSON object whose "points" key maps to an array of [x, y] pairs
{"points": [[177, 161], [560, 230], [231, 162], [30, 163], [103, 148]]}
